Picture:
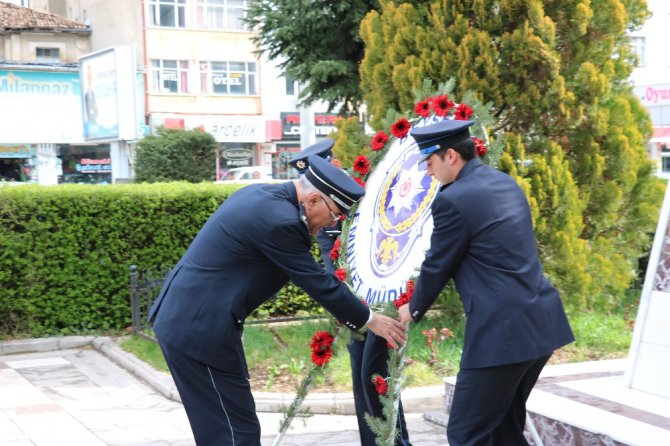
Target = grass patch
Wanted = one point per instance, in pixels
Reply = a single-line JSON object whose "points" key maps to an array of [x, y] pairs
{"points": [[145, 350], [597, 336], [278, 356]]}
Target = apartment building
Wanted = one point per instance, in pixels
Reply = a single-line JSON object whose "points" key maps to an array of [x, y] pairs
{"points": [[199, 69]]}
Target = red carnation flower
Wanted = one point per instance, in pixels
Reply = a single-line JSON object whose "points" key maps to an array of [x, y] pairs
{"points": [[343, 217], [362, 165], [359, 181], [334, 254], [463, 112], [341, 274], [321, 340], [442, 105], [381, 386], [422, 108], [480, 147], [400, 128], [405, 297], [321, 357], [379, 140], [401, 300]]}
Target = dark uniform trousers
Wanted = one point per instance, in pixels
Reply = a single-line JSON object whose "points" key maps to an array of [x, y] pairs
{"points": [[489, 404], [219, 405], [367, 357], [370, 357]]}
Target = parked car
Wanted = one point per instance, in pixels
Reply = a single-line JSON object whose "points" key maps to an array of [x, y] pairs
{"points": [[252, 174], [13, 183]]}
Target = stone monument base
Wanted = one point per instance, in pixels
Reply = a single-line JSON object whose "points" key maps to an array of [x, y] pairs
{"points": [[587, 404]]}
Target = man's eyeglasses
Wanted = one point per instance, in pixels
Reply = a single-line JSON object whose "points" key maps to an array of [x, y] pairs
{"points": [[335, 216]]}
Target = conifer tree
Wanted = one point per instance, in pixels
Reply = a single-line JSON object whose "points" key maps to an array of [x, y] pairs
{"points": [[317, 43], [350, 141], [556, 74]]}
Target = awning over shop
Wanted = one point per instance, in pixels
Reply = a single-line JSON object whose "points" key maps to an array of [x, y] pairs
{"points": [[17, 151], [661, 134]]}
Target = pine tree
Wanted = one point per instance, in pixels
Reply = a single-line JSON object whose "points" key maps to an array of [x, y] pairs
{"points": [[317, 43], [556, 73]]}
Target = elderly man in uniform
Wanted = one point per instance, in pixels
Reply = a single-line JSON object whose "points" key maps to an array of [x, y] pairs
{"points": [[368, 356], [483, 238], [256, 242]]}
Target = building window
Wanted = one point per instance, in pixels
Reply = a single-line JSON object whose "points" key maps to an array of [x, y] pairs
{"points": [[665, 162], [637, 45], [47, 54], [169, 76], [290, 85], [168, 13], [221, 14], [237, 78]]}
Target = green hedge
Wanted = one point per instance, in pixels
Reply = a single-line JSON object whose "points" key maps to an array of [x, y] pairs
{"points": [[65, 251]]}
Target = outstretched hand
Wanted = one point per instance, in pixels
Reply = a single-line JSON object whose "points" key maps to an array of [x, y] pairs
{"points": [[388, 328], [403, 314]]}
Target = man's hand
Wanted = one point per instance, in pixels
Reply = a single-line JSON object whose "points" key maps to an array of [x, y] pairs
{"points": [[393, 331], [403, 313]]}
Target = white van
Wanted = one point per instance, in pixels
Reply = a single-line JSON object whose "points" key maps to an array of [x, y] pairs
{"points": [[251, 174]]}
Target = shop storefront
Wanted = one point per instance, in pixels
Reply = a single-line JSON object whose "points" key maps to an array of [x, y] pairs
{"points": [[663, 152], [324, 124], [241, 138], [17, 163], [287, 147], [660, 146], [42, 140], [281, 169], [656, 99], [86, 164], [236, 155], [246, 141], [40, 109]]}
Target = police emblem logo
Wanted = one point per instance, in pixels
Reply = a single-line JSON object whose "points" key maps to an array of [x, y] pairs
{"points": [[404, 200], [391, 229]]}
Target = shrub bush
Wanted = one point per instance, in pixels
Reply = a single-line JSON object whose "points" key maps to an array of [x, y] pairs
{"points": [[176, 155], [65, 251]]}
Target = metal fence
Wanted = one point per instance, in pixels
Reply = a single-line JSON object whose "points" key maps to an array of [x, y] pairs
{"points": [[144, 288]]}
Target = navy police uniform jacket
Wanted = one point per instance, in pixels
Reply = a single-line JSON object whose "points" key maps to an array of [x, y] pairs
{"points": [[483, 238], [249, 248]]}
